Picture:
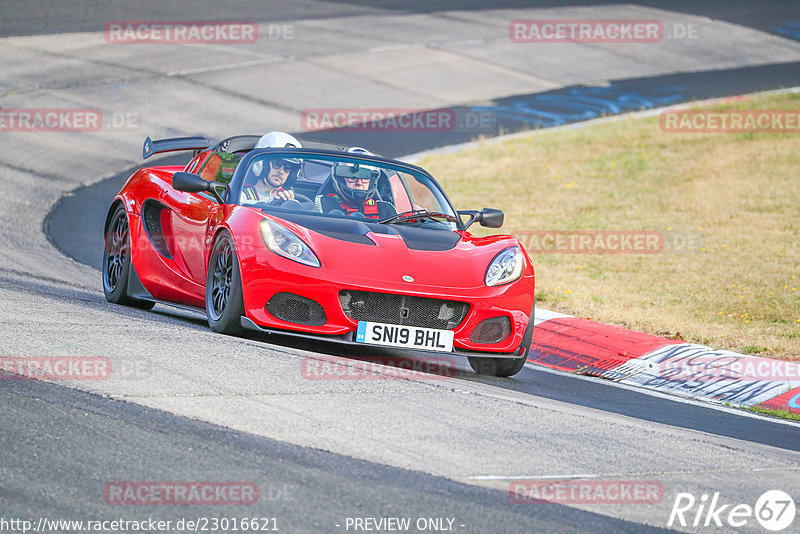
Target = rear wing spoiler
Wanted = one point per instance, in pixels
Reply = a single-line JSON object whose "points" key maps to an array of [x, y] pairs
{"points": [[173, 144], [231, 144]]}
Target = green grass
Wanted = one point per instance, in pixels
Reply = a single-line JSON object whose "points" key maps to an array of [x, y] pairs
{"points": [[780, 413], [726, 204]]}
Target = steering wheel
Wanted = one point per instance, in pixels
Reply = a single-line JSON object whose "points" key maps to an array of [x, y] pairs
{"points": [[301, 201]]}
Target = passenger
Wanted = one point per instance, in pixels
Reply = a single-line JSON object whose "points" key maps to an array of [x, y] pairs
{"points": [[355, 192], [275, 182]]}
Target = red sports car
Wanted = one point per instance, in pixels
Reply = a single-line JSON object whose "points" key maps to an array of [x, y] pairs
{"points": [[392, 264]]}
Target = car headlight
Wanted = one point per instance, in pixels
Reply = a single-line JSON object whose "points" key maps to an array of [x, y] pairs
{"points": [[505, 267], [284, 242]]}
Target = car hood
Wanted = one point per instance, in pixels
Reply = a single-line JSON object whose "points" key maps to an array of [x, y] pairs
{"points": [[395, 252]]}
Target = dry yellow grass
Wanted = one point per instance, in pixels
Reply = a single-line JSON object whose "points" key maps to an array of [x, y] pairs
{"points": [[735, 195]]}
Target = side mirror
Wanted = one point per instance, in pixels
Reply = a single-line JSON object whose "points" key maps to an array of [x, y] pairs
{"points": [[488, 217], [192, 183], [492, 218]]}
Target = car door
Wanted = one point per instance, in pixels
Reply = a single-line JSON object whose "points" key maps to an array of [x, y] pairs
{"points": [[196, 215], [192, 220]]}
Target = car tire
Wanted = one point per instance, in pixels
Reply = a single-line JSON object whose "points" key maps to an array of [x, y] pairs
{"points": [[117, 262], [502, 367], [224, 300]]}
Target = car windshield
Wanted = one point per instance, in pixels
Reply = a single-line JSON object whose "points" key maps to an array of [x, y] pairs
{"points": [[345, 186]]}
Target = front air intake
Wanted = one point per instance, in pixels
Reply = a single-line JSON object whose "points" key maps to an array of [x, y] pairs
{"points": [[296, 309], [492, 330]]}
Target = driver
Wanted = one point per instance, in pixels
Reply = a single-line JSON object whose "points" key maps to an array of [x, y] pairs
{"points": [[355, 187], [276, 180]]}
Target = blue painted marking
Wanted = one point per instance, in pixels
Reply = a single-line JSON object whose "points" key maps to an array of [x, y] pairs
{"points": [[362, 332], [789, 29], [581, 103], [793, 401]]}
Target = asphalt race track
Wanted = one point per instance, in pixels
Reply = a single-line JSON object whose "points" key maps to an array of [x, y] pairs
{"points": [[184, 404], [75, 211]]}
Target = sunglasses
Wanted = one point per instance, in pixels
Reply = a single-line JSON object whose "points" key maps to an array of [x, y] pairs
{"points": [[282, 164]]}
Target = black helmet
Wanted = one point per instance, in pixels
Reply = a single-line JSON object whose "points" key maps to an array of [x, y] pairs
{"points": [[341, 171]]}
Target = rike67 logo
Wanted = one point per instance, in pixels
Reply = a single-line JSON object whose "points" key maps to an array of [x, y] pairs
{"points": [[774, 510]]}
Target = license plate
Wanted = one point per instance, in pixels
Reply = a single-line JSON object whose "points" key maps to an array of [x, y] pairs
{"points": [[412, 337]]}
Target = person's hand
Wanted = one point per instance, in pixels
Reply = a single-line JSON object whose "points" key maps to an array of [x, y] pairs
{"points": [[286, 194], [283, 194]]}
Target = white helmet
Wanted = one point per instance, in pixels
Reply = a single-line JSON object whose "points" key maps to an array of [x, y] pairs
{"points": [[359, 150], [278, 140]]}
